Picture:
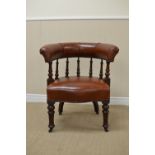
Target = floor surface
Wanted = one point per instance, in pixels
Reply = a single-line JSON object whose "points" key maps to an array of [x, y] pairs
{"points": [[78, 131]]}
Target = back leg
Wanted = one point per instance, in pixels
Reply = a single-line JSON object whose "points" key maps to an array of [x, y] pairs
{"points": [[96, 107], [61, 104]]}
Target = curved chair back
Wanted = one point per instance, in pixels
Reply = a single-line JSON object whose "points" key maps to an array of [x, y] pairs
{"points": [[57, 51]]}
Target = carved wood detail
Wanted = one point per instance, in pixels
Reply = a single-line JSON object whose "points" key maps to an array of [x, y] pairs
{"points": [[107, 74], [51, 112], [57, 70], [105, 110], [101, 70], [50, 73]]}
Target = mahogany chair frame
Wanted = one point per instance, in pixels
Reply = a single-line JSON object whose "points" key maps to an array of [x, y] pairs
{"points": [[54, 52]]}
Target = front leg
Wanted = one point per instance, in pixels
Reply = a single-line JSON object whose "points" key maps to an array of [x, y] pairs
{"points": [[51, 112], [105, 111]]}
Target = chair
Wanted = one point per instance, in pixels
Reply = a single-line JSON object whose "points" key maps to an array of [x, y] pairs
{"points": [[76, 89]]}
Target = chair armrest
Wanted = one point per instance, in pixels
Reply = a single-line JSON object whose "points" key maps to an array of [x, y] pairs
{"points": [[94, 50]]}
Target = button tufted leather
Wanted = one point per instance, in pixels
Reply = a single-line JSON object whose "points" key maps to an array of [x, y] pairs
{"points": [[95, 50]]}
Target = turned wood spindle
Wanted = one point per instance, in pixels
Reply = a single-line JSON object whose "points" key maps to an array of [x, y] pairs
{"points": [[50, 73], [91, 67], [78, 67], [107, 73], [57, 71], [67, 68], [101, 70]]}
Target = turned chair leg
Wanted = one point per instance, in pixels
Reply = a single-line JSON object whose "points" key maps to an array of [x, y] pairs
{"points": [[51, 112], [105, 108], [61, 104], [96, 107]]}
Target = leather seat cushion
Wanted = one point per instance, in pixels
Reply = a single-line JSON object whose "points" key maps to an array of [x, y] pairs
{"points": [[78, 89]]}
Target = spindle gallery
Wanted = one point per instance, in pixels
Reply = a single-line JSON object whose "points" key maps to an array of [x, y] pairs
{"points": [[78, 89]]}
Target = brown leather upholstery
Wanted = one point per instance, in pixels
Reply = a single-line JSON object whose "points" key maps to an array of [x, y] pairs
{"points": [[95, 50], [78, 89]]}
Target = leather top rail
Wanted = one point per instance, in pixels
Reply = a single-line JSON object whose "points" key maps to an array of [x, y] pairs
{"points": [[104, 51]]}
